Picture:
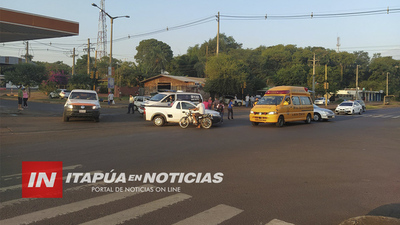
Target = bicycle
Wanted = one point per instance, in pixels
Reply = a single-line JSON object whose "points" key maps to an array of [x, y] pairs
{"points": [[204, 120]]}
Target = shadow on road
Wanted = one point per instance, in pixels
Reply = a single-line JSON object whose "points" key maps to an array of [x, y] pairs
{"points": [[389, 210]]}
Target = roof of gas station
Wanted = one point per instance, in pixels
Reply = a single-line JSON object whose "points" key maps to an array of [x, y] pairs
{"points": [[21, 26]]}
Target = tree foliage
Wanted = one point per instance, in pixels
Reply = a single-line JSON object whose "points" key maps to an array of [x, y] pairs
{"points": [[26, 74], [153, 56]]}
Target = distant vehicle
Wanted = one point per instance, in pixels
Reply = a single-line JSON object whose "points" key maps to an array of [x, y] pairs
{"points": [[60, 93], [321, 101], [349, 107], [83, 104], [361, 102], [138, 100], [227, 98], [166, 98], [322, 114]]}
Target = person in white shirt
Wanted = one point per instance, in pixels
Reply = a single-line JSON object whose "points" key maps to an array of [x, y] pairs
{"points": [[201, 110], [110, 98], [131, 104]]}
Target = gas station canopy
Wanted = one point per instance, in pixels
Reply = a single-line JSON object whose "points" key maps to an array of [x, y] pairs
{"points": [[21, 26]]}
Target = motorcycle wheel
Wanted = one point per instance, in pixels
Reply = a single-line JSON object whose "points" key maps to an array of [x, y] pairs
{"points": [[206, 123], [184, 122]]}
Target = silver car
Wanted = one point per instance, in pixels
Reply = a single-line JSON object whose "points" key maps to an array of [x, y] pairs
{"points": [[322, 114], [361, 102], [60, 93]]}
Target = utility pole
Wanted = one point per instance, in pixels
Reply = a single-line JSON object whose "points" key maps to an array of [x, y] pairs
{"points": [[88, 56], [387, 83], [313, 77], [73, 61], [357, 82], [326, 85], [218, 35], [27, 52]]}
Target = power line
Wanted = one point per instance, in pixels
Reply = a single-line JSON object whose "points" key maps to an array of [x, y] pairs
{"points": [[311, 15]]}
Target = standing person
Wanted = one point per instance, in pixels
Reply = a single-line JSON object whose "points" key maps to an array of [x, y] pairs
{"points": [[230, 109], [220, 108], [251, 100], [110, 98], [210, 102], [215, 103], [25, 97], [131, 104], [20, 96], [247, 100]]}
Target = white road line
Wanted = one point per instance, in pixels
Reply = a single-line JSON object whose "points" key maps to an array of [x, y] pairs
{"points": [[138, 211], [278, 222], [20, 185], [377, 115], [64, 168], [20, 200], [395, 117], [215, 215], [68, 208]]}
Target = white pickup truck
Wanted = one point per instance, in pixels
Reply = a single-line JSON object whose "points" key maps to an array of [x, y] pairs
{"points": [[172, 114]]}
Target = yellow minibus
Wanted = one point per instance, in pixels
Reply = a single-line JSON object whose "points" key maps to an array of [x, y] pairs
{"points": [[283, 104]]}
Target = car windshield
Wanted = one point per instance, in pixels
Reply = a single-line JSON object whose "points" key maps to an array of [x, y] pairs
{"points": [[270, 100], [320, 98], [157, 97], [346, 104], [83, 95]]}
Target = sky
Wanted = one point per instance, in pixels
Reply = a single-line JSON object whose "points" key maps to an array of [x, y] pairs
{"points": [[374, 33]]}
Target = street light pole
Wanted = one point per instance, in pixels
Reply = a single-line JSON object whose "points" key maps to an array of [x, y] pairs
{"points": [[111, 41]]}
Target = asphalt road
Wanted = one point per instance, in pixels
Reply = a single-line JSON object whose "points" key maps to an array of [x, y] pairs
{"points": [[318, 173]]}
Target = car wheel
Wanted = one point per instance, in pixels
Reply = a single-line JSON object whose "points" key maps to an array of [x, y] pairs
{"points": [[281, 122], [353, 112], [254, 123], [363, 109], [317, 117], [239, 103], [308, 119], [65, 118], [360, 112], [158, 121]]}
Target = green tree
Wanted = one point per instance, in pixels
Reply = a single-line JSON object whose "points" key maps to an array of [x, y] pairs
{"points": [[80, 81], [224, 75], [26, 74], [153, 56]]}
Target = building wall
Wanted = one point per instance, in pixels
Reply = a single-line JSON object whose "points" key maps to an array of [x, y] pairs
{"points": [[151, 86]]}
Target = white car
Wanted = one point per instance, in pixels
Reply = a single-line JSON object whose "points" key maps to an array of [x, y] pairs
{"points": [[321, 101], [322, 114], [161, 115], [82, 104], [138, 100], [349, 107]]}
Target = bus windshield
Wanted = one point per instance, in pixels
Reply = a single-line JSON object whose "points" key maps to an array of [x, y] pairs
{"points": [[270, 100]]}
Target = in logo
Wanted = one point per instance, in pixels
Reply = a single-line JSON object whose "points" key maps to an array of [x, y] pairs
{"points": [[42, 179]]}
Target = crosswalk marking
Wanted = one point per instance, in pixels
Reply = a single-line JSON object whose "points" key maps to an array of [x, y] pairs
{"points": [[68, 208], [215, 215], [64, 168], [20, 185], [278, 222], [20, 200], [138, 211]]}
